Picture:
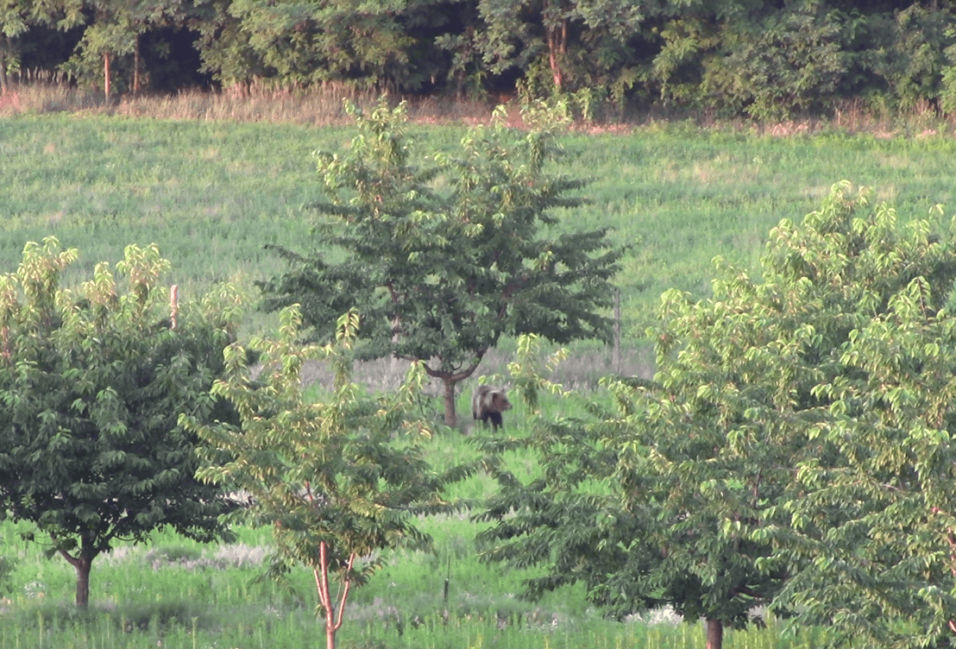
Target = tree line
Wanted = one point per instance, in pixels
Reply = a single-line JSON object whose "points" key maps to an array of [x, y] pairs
{"points": [[768, 59]]}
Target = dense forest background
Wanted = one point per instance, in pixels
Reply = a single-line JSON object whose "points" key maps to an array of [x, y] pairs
{"points": [[765, 59]]}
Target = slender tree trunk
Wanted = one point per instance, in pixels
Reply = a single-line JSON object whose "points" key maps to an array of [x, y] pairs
{"points": [[616, 355], [451, 379], [396, 328], [557, 47], [450, 418], [332, 623], [3, 64], [715, 634], [136, 67], [83, 566], [106, 75]]}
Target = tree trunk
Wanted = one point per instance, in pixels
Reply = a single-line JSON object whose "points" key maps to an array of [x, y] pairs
{"points": [[3, 64], [450, 418], [332, 623], [329, 633], [715, 634], [136, 67], [106, 75], [82, 566], [616, 356], [557, 47]]}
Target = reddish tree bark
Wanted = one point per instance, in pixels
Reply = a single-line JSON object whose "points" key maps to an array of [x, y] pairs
{"points": [[106, 75], [332, 622]]}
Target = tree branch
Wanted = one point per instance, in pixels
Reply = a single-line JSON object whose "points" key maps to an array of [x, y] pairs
{"points": [[345, 594], [322, 580], [745, 590]]}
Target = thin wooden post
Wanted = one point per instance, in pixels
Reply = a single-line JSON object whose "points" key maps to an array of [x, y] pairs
{"points": [[106, 75], [173, 305], [616, 358]]}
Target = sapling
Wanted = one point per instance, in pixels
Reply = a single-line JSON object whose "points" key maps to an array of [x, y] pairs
{"points": [[336, 479]]}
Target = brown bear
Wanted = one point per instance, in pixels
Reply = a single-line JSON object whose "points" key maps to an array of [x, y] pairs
{"points": [[487, 403]]}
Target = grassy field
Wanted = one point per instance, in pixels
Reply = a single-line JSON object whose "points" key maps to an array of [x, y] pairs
{"points": [[177, 594], [212, 193]]}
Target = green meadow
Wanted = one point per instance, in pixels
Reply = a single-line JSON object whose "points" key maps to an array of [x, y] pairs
{"points": [[212, 194], [178, 594]]}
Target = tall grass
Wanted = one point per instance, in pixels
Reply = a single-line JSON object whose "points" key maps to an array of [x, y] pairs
{"points": [[320, 106]]}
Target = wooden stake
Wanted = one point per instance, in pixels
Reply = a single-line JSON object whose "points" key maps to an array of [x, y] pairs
{"points": [[173, 305], [616, 360]]}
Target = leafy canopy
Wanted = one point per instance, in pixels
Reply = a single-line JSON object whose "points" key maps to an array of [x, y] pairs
{"points": [[793, 449], [337, 479], [440, 276], [91, 383], [808, 413]]}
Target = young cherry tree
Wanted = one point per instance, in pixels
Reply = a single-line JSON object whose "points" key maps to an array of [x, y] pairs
{"points": [[639, 526], [92, 382], [336, 479], [441, 277], [794, 448]]}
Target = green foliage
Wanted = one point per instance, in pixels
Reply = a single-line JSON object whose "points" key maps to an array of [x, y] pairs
{"points": [[18, 17], [7, 566], [92, 382], [579, 51], [870, 523], [337, 480], [441, 277], [564, 519], [292, 44], [766, 59], [816, 410], [108, 53], [641, 504], [910, 58], [790, 62], [792, 450], [401, 606]]}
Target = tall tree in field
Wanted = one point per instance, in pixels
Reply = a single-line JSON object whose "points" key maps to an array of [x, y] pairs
{"points": [[646, 505], [871, 522], [115, 35], [794, 448], [92, 382], [439, 278], [337, 479], [805, 417]]}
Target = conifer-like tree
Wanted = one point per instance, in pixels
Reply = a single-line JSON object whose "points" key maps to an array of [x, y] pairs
{"points": [[440, 277]]}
